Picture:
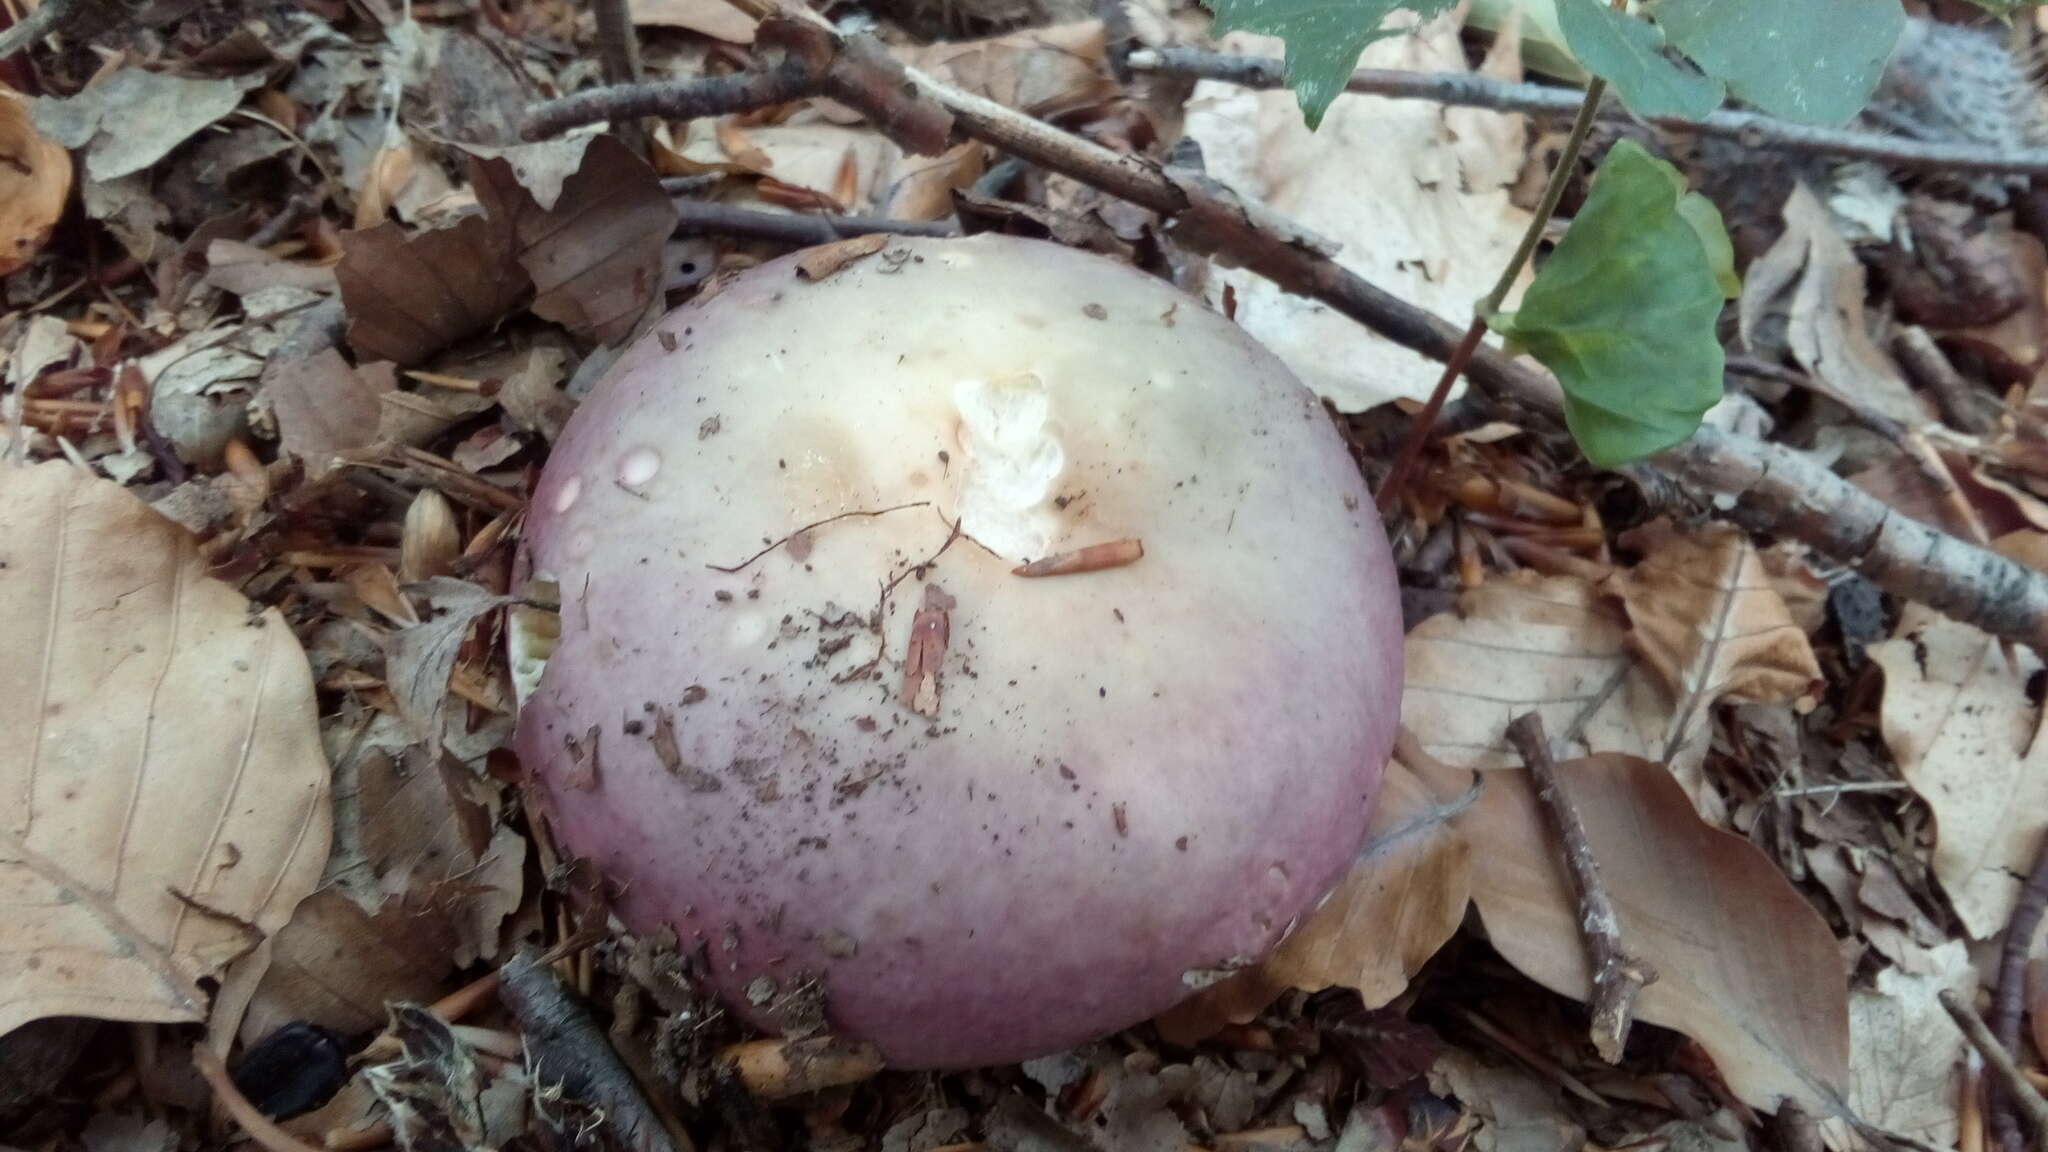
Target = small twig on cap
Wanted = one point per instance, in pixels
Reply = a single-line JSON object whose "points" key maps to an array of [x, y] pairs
{"points": [[1093, 558], [1617, 975], [571, 1053], [2008, 1003], [779, 1069], [2021, 1093], [774, 544]]}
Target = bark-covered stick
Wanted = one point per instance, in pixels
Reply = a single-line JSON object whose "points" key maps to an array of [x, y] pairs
{"points": [[1617, 975], [2000, 1060], [2008, 1004], [569, 1049]]}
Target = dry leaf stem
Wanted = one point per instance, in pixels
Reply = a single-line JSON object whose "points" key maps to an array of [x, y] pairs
{"points": [[1775, 490], [259, 1127], [2000, 1060], [2008, 1003], [571, 1052], [1477, 91], [1553, 192], [1618, 976]]}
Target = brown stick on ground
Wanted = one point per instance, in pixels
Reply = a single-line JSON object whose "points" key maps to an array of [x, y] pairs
{"points": [[2001, 1062], [707, 217], [618, 47], [569, 1050], [2008, 1004], [1963, 406], [1779, 492], [1617, 975], [1476, 91]]}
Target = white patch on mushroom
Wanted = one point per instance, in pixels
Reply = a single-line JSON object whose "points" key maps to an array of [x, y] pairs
{"points": [[565, 496], [1011, 461], [639, 466], [531, 632]]}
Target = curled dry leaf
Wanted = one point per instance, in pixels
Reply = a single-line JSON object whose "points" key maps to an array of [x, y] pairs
{"points": [[1047, 72], [1745, 966], [35, 183], [1405, 896], [133, 118], [421, 658], [1706, 615], [337, 966], [1416, 195], [408, 297], [166, 790], [595, 256], [1967, 737], [1813, 277]]}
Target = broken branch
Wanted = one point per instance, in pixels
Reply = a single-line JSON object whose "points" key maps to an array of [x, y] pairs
{"points": [[2000, 1059], [571, 1052], [2007, 1004], [1476, 91], [1618, 976], [688, 100]]}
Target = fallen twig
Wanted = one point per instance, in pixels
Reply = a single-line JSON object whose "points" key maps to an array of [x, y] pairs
{"points": [[260, 1128], [1477, 91], [2000, 1060], [570, 1052], [703, 217], [2008, 1003], [1963, 406], [1618, 976], [1779, 491], [779, 1069], [618, 49]]}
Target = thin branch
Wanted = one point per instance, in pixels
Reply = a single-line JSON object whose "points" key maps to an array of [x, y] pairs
{"points": [[570, 1052], [709, 96], [2007, 1005], [618, 48], [1963, 406], [2001, 1062], [47, 20], [1476, 91], [704, 217], [794, 533], [1618, 976]]}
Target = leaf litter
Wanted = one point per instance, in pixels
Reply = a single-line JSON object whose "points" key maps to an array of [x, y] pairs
{"points": [[341, 391]]}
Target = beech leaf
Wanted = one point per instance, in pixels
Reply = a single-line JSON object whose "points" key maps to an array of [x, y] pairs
{"points": [[1324, 38], [1629, 54], [1624, 311], [166, 796]]}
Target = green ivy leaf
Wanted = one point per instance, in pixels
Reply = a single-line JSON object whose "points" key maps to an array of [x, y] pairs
{"points": [[1624, 310], [1629, 54], [1814, 61], [1324, 38]]}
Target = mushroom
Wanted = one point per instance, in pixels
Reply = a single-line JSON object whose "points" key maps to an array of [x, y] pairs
{"points": [[978, 642]]}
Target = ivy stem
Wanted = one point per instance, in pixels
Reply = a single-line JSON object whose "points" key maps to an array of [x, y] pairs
{"points": [[1553, 191]]}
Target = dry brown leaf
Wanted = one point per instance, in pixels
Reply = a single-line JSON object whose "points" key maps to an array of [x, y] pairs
{"points": [[1417, 197], [1553, 645], [421, 658], [1705, 614], [324, 406], [337, 966], [595, 257], [247, 270], [408, 297], [1518, 1111], [35, 184], [2013, 346], [1405, 896], [130, 118], [805, 152], [1906, 1053], [1046, 72], [167, 791], [1958, 719], [1814, 277], [824, 260], [714, 18], [1745, 966], [924, 189]]}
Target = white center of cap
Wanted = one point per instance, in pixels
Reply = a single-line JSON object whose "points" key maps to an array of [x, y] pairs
{"points": [[1012, 458]]}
